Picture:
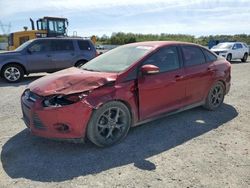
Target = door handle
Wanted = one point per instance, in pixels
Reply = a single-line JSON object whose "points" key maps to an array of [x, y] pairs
{"points": [[48, 55], [72, 54], [178, 77]]}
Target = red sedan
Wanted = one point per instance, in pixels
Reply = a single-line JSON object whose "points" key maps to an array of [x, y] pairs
{"points": [[125, 87]]}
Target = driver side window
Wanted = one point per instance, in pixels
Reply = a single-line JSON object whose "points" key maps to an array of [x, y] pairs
{"points": [[166, 59], [40, 46]]}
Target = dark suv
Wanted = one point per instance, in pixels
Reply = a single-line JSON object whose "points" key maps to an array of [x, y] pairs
{"points": [[45, 55]]}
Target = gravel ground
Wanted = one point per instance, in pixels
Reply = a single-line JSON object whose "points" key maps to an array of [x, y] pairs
{"points": [[195, 148]]}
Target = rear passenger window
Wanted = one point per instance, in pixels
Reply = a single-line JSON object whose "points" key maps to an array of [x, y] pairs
{"points": [[209, 56], [84, 45], [62, 45], [166, 59], [192, 56]]}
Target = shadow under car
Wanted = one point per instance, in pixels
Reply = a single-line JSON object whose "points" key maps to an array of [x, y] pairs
{"points": [[38, 159]]}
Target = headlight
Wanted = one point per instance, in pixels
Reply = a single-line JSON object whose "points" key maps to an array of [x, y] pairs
{"points": [[223, 52], [63, 100]]}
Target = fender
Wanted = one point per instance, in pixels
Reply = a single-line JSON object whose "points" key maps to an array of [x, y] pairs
{"points": [[124, 92]]}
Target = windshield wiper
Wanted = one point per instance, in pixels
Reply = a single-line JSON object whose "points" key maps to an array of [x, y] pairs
{"points": [[92, 70]]}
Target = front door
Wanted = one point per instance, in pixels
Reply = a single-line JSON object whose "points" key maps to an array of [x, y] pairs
{"points": [[164, 91], [39, 57]]}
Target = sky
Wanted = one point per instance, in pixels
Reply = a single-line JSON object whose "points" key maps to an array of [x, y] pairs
{"points": [[99, 17]]}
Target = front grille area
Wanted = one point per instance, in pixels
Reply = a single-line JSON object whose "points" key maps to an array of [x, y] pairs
{"points": [[38, 123], [26, 112]]}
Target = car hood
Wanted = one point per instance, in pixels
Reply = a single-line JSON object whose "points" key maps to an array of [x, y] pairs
{"points": [[219, 50], [5, 53], [72, 80]]}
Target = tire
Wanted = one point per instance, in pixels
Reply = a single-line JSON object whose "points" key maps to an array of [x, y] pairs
{"points": [[109, 124], [12, 73], [215, 96], [229, 57], [244, 59], [80, 63]]}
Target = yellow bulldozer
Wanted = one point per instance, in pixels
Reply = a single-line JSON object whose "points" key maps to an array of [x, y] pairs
{"points": [[46, 27]]}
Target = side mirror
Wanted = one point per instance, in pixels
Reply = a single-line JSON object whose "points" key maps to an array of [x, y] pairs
{"points": [[29, 51], [149, 69]]}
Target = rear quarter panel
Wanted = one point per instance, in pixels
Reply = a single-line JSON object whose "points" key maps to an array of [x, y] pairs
{"points": [[222, 73], [84, 54]]}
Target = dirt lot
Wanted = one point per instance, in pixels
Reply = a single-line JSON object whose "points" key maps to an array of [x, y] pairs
{"points": [[196, 148]]}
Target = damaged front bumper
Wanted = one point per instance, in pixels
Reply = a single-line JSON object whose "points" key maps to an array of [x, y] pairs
{"points": [[61, 122]]}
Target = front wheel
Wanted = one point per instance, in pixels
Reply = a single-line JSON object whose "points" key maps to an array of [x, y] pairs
{"points": [[215, 96], [109, 124], [229, 57], [12, 73], [244, 59]]}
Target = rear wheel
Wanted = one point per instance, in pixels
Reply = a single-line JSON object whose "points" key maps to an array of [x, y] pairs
{"points": [[109, 124], [12, 73], [244, 59], [229, 57], [215, 96]]}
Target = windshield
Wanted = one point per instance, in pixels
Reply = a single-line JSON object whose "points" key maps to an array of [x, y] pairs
{"points": [[118, 59], [223, 46], [24, 45]]}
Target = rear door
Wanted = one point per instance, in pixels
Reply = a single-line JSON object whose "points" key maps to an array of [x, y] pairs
{"points": [[87, 51], [63, 53], [164, 91], [39, 56], [199, 72]]}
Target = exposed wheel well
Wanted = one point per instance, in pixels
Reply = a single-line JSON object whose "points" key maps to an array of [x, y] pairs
{"points": [[14, 63]]}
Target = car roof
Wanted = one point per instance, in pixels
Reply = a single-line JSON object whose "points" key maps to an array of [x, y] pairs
{"points": [[226, 42], [62, 38], [230, 42], [157, 44]]}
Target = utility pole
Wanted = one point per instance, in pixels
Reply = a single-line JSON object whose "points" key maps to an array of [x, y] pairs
{"points": [[3, 26]]}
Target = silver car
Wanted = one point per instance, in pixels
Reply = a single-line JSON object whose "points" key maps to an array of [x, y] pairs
{"points": [[45, 55], [232, 50]]}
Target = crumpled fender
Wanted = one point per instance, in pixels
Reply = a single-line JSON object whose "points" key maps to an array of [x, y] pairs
{"points": [[124, 92]]}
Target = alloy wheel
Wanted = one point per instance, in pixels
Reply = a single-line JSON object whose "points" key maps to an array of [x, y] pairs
{"points": [[112, 123], [12, 74], [216, 96], [229, 57]]}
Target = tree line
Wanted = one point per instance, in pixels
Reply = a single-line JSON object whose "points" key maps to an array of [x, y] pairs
{"points": [[3, 38], [121, 38]]}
